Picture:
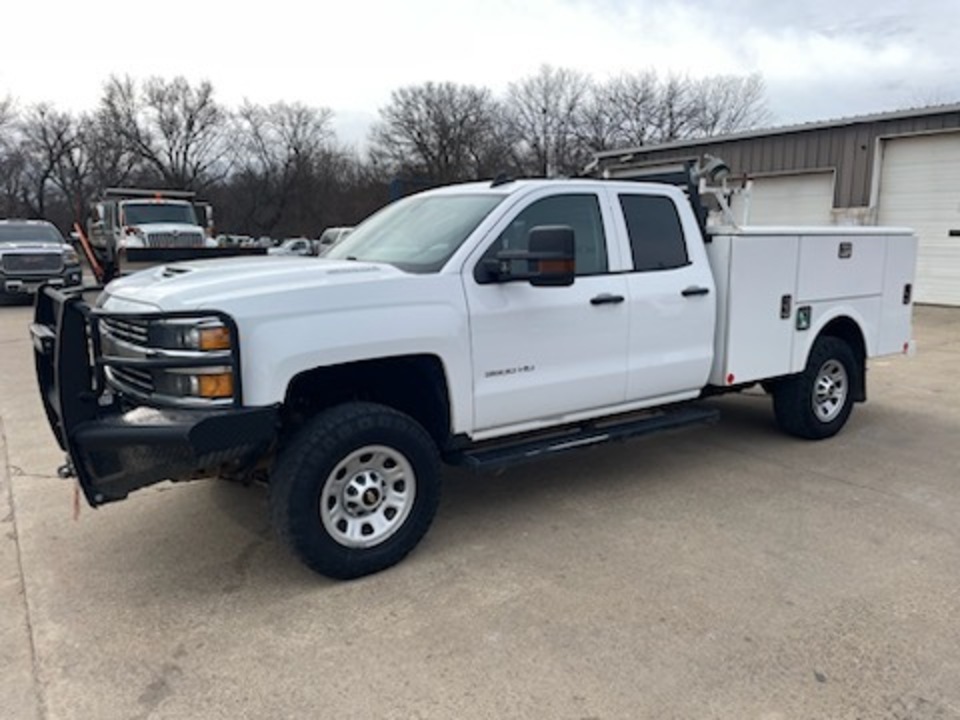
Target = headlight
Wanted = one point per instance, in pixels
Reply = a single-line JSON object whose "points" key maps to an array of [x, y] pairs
{"points": [[70, 256], [206, 383], [200, 334], [132, 237], [211, 338], [180, 361]]}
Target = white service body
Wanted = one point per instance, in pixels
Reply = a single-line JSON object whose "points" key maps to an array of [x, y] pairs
{"points": [[756, 268]]}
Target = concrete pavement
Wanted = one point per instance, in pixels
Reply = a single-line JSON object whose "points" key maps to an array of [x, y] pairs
{"points": [[725, 572]]}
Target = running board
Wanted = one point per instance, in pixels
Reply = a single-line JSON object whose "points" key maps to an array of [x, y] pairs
{"points": [[496, 454]]}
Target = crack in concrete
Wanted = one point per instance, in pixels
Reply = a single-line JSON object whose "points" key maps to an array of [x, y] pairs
{"points": [[15, 537]]}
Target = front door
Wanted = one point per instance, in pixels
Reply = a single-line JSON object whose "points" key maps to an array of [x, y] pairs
{"points": [[540, 353]]}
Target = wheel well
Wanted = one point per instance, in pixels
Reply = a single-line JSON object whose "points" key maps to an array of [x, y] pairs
{"points": [[846, 329], [413, 384]]}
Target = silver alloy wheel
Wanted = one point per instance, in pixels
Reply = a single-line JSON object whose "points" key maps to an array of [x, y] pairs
{"points": [[368, 496], [830, 391]]}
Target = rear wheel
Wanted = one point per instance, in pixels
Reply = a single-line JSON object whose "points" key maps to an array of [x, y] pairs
{"points": [[817, 403], [356, 489]]}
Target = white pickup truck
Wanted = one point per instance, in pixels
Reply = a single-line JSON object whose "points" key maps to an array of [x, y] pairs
{"points": [[479, 324]]}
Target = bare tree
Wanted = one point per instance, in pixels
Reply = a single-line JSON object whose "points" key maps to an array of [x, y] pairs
{"points": [[7, 116], [633, 102], [545, 109], [112, 160], [11, 160], [645, 108], [617, 113], [728, 103], [49, 140], [175, 128], [282, 137], [278, 169], [279, 150], [445, 132]]}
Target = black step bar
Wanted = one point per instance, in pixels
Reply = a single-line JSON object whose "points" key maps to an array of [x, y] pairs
{"points": [[496, 454]]}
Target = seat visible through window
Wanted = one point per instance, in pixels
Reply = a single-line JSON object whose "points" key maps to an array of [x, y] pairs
{"points": [[581, 212]]}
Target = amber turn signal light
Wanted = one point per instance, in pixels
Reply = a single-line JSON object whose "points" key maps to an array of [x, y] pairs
{"points": [[215, 386]]}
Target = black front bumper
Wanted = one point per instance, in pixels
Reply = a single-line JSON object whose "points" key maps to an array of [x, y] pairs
{"points": [[15, 283], [115, 448]]}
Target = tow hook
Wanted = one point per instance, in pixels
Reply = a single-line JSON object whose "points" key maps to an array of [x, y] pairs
{"points": [[66, 471]]}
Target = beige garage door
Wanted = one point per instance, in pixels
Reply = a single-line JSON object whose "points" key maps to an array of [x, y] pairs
{"points": [[802, 199], [920, 189]]}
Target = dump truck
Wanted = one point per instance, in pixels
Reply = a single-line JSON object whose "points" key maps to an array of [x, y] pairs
{"points": [[132, 228]]}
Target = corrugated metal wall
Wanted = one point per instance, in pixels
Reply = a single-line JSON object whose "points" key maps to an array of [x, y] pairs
{"points": [[848, 148]]}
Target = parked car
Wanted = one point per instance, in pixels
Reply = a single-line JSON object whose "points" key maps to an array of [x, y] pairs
{"points": [[330, 237], [33, 252], [234, 241], [294, 246]]}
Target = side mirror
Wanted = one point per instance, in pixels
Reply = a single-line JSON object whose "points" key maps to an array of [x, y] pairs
{"points": [[550, 259]]}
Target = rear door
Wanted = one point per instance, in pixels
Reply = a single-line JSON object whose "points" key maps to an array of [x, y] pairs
{"points": [[672, 297], [541, 353]]}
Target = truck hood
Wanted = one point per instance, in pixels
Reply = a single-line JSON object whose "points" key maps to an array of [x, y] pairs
{"points": [[216, 283]]}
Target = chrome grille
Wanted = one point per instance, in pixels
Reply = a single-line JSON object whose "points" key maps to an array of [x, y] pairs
{"points": [[134, 378], [135, 332], [174, 239], [40, 263], [140, 360]]}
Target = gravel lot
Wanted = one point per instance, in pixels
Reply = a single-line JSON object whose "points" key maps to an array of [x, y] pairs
{"points": [[724, 572]]}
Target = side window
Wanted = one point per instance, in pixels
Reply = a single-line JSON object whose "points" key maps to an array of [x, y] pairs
{"points": [[580, 212], [656, 235]]}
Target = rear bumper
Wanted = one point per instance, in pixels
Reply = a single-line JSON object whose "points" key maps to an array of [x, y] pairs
{"points": [[115, 448]]}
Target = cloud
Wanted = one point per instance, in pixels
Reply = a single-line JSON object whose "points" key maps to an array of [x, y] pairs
{"points": [[820, 58]]}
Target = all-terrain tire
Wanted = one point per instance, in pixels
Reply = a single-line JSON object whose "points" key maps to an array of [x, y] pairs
{"points": [[816, 403], [356, 489]]}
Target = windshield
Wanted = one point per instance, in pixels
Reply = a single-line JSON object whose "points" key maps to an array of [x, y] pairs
{"points": [[146, 213], [29, 233], [417, 234]]}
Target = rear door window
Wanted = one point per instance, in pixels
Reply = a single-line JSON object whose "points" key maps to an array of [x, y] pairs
{"points": [[656, 234]]}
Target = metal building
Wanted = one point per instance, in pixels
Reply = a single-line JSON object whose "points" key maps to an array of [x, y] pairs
{"points": [[899, 168]]}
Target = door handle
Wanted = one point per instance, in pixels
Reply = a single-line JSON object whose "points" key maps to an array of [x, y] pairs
{"points": [[606, 299], [694, 290]]}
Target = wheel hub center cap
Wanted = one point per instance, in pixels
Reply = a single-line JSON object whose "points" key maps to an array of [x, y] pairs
{"points": [[364, 493]]}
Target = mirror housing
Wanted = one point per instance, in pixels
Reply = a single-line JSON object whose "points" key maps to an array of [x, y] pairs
{"points": [[550, 258]]}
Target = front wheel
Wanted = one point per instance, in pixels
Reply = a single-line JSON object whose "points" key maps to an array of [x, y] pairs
{"points": [[356, 489], [817, 403]]}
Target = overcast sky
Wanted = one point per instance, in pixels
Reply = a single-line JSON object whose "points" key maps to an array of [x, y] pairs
{"points": [[820, 58]]}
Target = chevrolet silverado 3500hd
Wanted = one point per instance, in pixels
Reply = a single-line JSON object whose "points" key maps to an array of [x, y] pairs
{"points": [[477, 324]]}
